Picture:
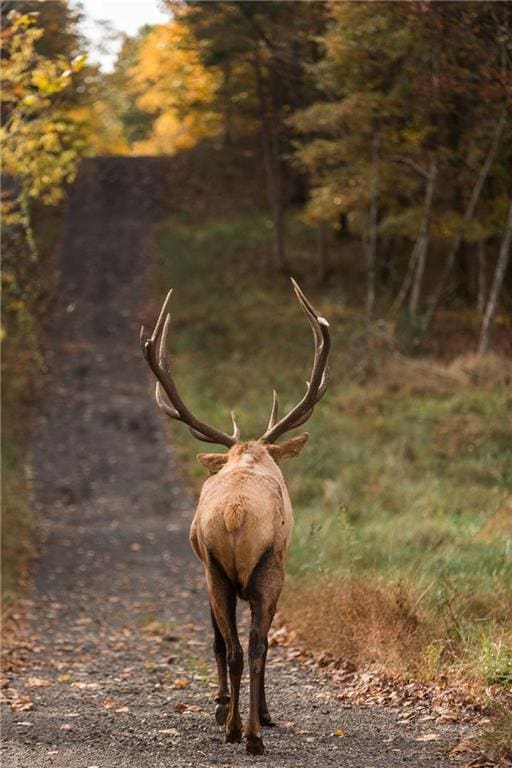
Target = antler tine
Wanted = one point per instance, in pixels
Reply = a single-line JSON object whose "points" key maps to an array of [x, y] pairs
{"points": [[166, 408], [273, 413], [236, 428], [317, 385], [163, 316], [154, 350], [315, 319], [158, 325]]}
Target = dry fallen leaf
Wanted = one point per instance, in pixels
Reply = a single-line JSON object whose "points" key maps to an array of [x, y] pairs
{"points": [[463, 747], [85, 686], [65, 727], [448, 717], [428, 737], [22, 705], [153, 627], [38, 682], [110, 704], [340, 732], [181, 682], [122, 710], [64, 678], [168, 731]]}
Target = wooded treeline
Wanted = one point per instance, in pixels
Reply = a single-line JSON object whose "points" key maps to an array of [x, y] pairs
{"points": [[50, 119], [383, 122], [386, 121]]}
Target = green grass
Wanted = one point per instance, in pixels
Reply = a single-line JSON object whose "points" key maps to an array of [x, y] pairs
{"points": [[403, 487]]}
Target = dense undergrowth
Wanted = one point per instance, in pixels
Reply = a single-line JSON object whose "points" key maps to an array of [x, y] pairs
{"points": [[23, 368], [402, 551]]}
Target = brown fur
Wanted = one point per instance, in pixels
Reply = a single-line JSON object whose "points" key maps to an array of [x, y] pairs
{"points": [[241, 532], [244, 508]]}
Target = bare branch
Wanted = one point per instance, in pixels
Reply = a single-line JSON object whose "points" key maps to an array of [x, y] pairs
{"points": [[404, 160]]}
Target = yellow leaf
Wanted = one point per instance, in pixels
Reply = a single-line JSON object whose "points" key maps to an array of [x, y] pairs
{"points": [[78, 63]]}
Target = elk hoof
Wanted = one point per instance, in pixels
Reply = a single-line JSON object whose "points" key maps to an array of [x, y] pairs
{"points": [[266, 720], [234, 736], [254, 745], [221, 711]]}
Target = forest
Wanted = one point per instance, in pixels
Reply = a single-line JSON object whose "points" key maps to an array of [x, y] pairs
{"points": [[363, 148]]}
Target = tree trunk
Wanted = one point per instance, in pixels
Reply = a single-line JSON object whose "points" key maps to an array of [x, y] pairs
{"points": [[322, 251], [227, 106], [422, 241], [273, 169], [417, 260], [372, 239], [468, 215], [499, 274], [406, 282], [482, 277]]}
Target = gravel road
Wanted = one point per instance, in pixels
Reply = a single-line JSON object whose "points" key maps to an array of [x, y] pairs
{"points": [[117, 670]]}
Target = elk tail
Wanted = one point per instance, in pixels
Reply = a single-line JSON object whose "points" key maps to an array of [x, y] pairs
{"points": [[234, 514]]}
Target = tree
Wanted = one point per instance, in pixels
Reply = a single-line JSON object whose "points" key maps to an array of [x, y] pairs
{"points": [[171, 84], [42, 145], [432, 78], [499, 274], [261, 51]]}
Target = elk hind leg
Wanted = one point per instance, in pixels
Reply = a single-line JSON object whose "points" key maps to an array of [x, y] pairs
{"points": [[223, 603], [222, 695], [264, 714], [263, 592]]}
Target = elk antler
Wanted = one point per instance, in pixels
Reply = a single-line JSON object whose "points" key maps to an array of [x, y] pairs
{"points": [[154, 350], [316, 386]]}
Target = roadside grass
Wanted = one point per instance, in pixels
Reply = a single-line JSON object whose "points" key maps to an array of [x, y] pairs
{"points": [[402, 550], [18, 522], [497, 740], [22, 369]]}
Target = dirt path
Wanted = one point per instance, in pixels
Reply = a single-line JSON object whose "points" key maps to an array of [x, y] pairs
{"points": [[118, 668]]}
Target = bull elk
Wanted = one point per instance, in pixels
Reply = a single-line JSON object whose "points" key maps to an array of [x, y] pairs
{"points": [[242, 527]]}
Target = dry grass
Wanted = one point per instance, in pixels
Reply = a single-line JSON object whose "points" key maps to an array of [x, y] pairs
{"points": [[392, 373], [361, 622], [497, 740]]}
